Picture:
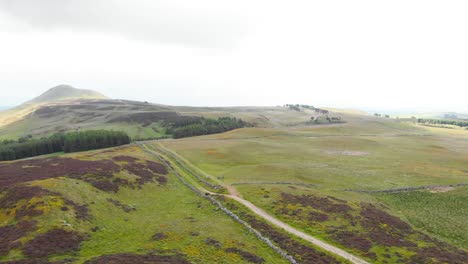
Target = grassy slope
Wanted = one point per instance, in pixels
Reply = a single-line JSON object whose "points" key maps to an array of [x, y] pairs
{"points": [[365, 154], [441, 214], [98, 116], [171, 209]]}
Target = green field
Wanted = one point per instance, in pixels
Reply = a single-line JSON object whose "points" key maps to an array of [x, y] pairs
{"points": [[442, 214]]}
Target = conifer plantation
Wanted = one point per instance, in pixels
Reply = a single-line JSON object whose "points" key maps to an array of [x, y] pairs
{"points": [[205, 126], [69, 142]]}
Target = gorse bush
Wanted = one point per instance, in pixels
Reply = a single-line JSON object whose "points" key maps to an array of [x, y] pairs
{"points": [[70, 142]]}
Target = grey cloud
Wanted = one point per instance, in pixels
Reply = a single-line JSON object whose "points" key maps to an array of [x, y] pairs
{"points": [[203, 23]]}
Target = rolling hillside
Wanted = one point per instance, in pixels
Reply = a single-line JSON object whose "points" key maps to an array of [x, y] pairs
{"points": [[364, 189], [64, 108], [114, 206]]}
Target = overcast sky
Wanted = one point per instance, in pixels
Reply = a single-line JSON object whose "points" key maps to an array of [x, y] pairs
{"points": [[362, 54]]}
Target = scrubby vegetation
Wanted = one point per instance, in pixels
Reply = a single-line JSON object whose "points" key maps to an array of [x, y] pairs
{"points": [[368, 230], [297, 107], [70, 142], [205, 126], [325, 120], [459, 123], [113, 206]]}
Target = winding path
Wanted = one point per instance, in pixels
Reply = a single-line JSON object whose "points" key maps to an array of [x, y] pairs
{"points": [[296, 232], [278, 223]]}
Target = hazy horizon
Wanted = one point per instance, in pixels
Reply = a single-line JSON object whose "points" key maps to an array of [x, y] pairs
{"points": [[368, 109], [403, 55]]}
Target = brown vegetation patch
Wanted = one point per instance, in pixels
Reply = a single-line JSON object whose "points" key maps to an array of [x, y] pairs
{"points": [[146, 118], [124, 159], [212, 242], [317, 217], [374, 218], [124, 207], [162, 180], [17, 193], [81, 211], [100, 173], [56, 241], [127, 258], [159, 236], [429, 254], [321, 203], [10, 235], [247, 256], [351, 240], [364, 226], [25, 193], [40, 169], [37, 261], [105, 185], [141, 171], [156, 167]]}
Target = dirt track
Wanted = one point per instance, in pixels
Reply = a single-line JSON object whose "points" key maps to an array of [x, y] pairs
{"points": [[259, 212], [297, 232]]}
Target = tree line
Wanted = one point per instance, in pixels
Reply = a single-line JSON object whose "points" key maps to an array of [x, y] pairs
{"points": [[444, 122], [205, 126], [69, 142]]}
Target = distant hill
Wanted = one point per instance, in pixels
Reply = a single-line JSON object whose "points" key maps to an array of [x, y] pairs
{"points": [[65, 108], [65, 93]]}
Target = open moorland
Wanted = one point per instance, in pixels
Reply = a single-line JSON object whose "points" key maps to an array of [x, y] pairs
{"points": [[114, 206], [386, 190], [284, 184]]}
